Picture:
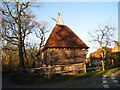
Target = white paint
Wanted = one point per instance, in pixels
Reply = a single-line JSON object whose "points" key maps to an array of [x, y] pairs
{"points": [[113, 74], [118, 85], [104, 81], [112, 77], [104, 75], [115, 81], [106, 86], [104, 78]]}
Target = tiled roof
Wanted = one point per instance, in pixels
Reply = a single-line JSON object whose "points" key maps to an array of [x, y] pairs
{"points": [[63, 37], [98, 53]]}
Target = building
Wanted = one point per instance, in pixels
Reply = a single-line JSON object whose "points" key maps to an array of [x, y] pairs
{"points": [[116, 54], [112, 55], [116, 48], [64, 48], [97, 56]]}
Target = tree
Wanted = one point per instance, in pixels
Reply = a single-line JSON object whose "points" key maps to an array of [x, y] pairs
{"points": [[104, 36], [9, 57], [27, 27], [35, 49], [40, 31], [16, 24], [31, 51]]}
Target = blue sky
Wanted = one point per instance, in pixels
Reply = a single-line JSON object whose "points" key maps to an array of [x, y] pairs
{"points": [[81, 17]]}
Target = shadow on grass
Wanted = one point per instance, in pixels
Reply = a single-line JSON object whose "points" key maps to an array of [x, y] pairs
{"points": [[30, 79]]}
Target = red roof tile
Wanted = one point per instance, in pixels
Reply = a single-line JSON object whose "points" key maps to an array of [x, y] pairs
{"points": [[97, 54], [63, 37]]}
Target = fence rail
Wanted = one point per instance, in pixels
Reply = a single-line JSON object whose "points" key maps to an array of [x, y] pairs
{"points": [[82, 67], [94, 68]]}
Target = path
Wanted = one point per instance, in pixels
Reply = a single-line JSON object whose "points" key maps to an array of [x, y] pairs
{"points": [[112, 80]]}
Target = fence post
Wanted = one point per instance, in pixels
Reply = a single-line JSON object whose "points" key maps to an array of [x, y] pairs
{"points": [[84, 67], [53, 70], [103, 67], [112, 63], [49, 71], [45, 71]]}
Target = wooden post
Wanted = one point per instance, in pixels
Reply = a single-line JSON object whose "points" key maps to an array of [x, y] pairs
{"points": [[112, 63], [84, 67], [45, 71], [77, 71], [49, 71], [103, 67], [53, 69], [73, 69]]}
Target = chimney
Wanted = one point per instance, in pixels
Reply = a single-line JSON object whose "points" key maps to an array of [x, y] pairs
{"points": [[116, 44], [116, 47]]}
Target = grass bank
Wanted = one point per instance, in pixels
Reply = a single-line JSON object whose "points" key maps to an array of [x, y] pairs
{"points": [[38, 79]]}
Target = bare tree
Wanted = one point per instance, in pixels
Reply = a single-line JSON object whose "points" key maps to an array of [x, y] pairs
{"points": [[9, 56], [16, 25], [31, 51], [27, 27], [41, 28], [40, 31], [104, 36]]}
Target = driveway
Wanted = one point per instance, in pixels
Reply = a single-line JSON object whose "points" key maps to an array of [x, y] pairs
{"points": [[106, 81], [91, 82]]}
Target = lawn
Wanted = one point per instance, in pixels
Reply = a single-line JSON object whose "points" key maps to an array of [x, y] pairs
{"points": [[39, 79]]}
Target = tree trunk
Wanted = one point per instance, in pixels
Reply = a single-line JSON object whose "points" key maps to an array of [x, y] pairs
{"points": [[21, 58], [26, 59]]}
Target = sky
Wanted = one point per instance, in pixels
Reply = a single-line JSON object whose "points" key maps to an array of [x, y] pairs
{"points": [[80, 17]]}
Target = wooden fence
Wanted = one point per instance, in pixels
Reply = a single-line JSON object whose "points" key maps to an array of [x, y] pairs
{"points": [[51, 70]]}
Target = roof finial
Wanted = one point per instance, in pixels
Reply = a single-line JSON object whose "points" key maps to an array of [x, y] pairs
{"points": [[59, 19]]}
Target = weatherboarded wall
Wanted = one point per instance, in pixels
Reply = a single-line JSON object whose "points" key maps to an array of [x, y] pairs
{"points": [[64, 56]]}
